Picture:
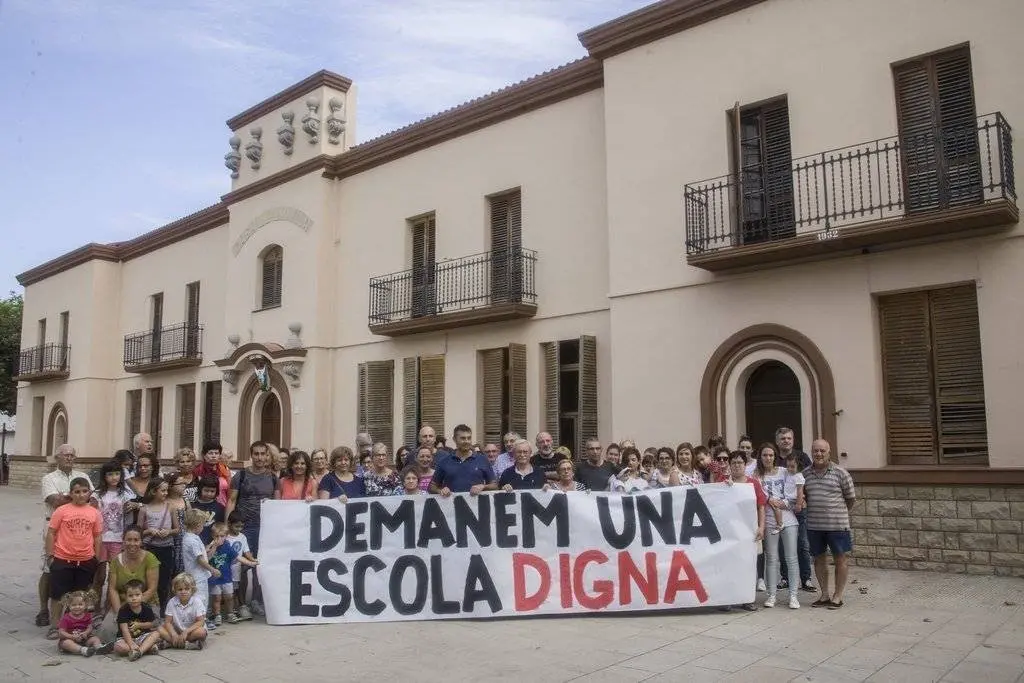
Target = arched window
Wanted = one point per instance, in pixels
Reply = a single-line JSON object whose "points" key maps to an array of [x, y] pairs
{"points": [[271, 263]]}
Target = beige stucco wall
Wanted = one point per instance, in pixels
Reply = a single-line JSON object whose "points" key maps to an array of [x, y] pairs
{"points": [[665, 111]]}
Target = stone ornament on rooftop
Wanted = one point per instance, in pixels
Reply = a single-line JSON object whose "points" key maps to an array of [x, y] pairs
{"points": [[311, 121], [254, 150], [286, 133], [233, 159], [336, 121]]}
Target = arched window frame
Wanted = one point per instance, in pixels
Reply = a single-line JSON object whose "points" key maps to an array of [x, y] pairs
{"points": [[271, 276]]}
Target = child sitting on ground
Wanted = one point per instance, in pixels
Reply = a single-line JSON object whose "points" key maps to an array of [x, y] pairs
{"points": [[136, 623], [185, 621], [75, 629], [224, 556]]}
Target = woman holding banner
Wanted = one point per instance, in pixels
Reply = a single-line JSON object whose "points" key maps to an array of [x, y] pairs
{"points": [[565, 481], [738, 475], [340, 482], [379, 479]]}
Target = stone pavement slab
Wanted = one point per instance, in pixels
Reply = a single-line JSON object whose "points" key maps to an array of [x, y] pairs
{"points": [[896, 626]]}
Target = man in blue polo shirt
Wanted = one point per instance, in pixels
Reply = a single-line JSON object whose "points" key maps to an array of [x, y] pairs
{"points": [[463, 471]]}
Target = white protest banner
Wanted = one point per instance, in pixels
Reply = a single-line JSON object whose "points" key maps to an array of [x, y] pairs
{"points": [[506, 554]]}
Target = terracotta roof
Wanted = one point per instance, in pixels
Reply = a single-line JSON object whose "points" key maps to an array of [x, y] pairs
{"points": [[650, 23]]}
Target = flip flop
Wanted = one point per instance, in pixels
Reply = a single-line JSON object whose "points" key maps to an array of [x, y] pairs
{"points": [[835, 605], [825, 602]]}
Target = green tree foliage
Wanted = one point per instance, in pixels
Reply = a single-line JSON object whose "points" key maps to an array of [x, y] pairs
{"points": [[10, 347]]}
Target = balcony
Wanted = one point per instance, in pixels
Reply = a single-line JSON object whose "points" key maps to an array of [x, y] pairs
{"points": [[483, 288], [177, 346], [934, 186], [43, 362]]}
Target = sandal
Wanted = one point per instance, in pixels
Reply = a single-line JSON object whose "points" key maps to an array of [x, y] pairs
{"points": [[822, 602], [835, 605], [52, 634]]}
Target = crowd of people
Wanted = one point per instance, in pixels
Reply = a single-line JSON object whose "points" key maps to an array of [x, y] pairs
{"points": [[156, 560]]}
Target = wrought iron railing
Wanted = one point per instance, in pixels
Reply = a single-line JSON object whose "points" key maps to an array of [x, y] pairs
{"points": [[45, 358], [482, 280], [885, 179], [176, 342]]}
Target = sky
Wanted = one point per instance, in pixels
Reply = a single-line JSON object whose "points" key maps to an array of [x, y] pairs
{"points": [[112, 111]]}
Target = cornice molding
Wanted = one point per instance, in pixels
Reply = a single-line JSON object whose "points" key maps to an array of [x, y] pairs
{"points": [[320, 79], [653, 22]]}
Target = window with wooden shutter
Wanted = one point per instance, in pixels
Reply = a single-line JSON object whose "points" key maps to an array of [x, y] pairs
{"points": [[938, 131], [933, 381], [503, 392], [376, 400], [424, 266], [549, 350], [186, 415], [211, 411], [516, 390], [587, 392], [764, 169], [432, 392], [506, 248], [410, 401], [271, 277], [155, 409], [133, 414], [192, 349]]}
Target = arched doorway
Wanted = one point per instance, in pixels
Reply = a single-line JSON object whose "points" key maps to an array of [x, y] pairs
{"points": [[57, 428], [773, 400], [270, 420]]}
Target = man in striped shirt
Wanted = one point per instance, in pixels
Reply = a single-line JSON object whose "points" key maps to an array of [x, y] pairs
{"points": [[830, 495]]}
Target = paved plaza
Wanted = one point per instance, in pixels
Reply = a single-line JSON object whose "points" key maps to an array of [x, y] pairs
{"points": [[896, 626]]}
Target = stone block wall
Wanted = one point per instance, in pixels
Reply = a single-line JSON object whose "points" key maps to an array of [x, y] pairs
{"points": [[28, 471], [962, 529]]}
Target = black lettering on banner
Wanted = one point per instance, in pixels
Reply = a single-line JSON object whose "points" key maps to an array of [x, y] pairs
{"points": [[504, 520], [404, 516], [300, 589], [479, 523], [695, 507], [479, 586], [323, 575], [434, 525], [355, 539], [615, 539], [438, 604], [317, 515], [395, 584], [648, 516], [362, 565], [557, 511]]}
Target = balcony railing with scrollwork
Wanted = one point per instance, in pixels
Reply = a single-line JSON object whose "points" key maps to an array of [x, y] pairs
{"points": [[46, 361], [499, 282], [883, 180], [172, 346]]}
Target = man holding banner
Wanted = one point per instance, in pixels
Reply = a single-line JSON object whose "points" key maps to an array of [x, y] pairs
{"points": [[466, 471]]}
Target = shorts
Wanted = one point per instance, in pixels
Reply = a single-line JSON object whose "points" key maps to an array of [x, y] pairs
{"points": [[139, 639], [839, 542], [108, 550], [66, 576], [222, 589]]}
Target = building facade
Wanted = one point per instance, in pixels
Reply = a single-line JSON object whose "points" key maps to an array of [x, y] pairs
{"points": [[730, 216]]}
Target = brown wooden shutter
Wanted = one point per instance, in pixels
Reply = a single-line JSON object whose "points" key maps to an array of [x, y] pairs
{"points": [[588, 393], [134, 414], [192, 349], [917, 120], [273, 273], [959, 381], [156, 422], [187, 422], [778, 170], [961, 164], [424, 266], [376, 400], [907, 375], [551, 403], [432, 392], [212, 429], [517, 389], [500, 250], [410, 400], [492, 363]]}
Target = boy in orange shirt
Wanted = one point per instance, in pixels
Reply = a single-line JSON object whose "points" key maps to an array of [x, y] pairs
{"points": [[73, 539]]}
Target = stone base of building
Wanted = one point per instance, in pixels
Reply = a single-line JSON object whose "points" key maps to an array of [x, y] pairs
{"points": [[27, 471], [964, 529]]}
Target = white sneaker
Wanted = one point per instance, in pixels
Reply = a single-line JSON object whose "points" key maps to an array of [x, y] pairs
{"points": [[793, 602], [761, 587], [243, 613], [770, 602]]}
